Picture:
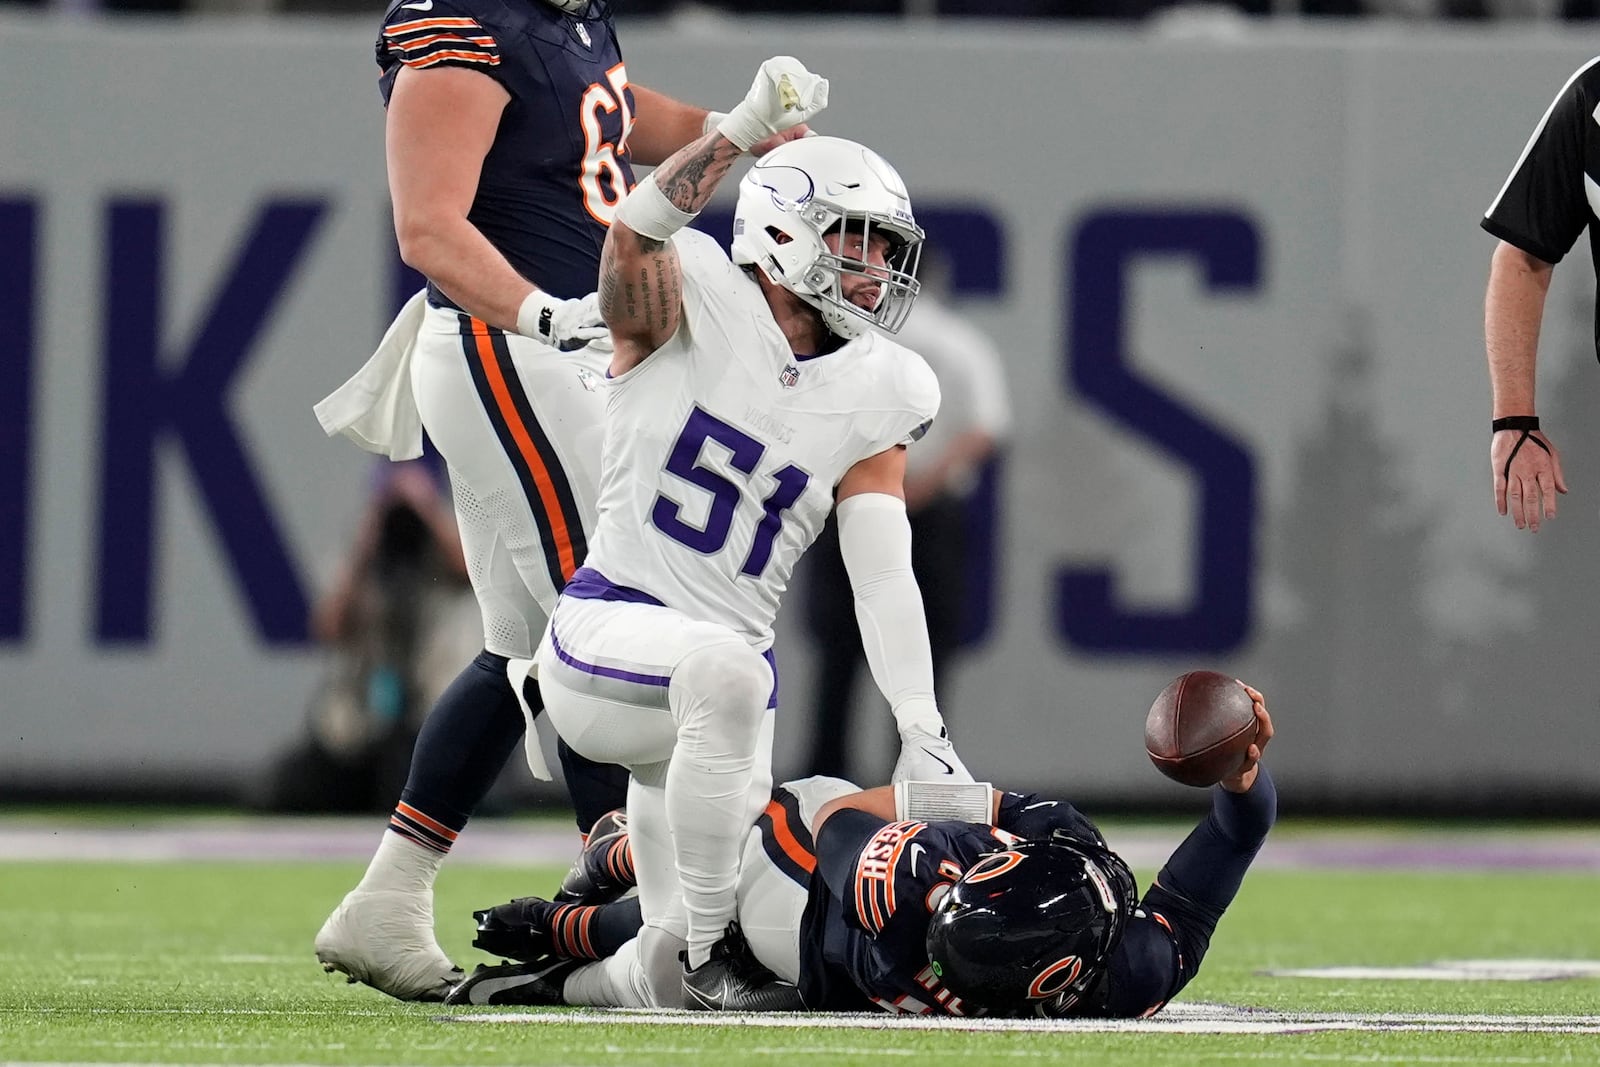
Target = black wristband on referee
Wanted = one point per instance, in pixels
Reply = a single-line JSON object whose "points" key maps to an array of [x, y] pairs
{"points": [[1524, 423]]}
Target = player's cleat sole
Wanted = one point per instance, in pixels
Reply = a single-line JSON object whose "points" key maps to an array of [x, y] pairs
{"points": [[732, 979], [526, 984], [384, 939]]}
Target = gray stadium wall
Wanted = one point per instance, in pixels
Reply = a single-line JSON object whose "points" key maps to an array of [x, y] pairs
{"points": [[1237, 280]]}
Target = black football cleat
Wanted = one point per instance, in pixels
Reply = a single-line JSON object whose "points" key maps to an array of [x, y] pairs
{"points": [[518, 929], [732, 979], [603, 871], [535, 983]]}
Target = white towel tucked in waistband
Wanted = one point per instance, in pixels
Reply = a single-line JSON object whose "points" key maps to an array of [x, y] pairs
{"points": [[518, 671], [375, 408]]}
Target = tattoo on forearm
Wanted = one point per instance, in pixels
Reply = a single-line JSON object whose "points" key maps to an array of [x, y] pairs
{"points": [[640, 285], [691, 175]]}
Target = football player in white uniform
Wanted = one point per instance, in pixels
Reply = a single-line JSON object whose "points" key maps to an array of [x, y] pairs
{"points": [[510, 134], [748, 398]]}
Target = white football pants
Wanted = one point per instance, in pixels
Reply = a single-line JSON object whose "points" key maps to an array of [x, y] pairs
{"points": [[686, 706], [520, 425]]}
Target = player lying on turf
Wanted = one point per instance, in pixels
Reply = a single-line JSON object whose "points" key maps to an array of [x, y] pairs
{"points": [[1029, 915]]}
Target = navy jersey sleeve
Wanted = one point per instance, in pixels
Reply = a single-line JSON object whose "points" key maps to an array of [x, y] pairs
{"points": [[436, 33], [1168, 937], [1543, 206]]}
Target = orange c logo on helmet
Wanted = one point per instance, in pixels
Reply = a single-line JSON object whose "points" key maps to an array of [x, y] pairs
{"points": [[1054, 978], [992, 866]]}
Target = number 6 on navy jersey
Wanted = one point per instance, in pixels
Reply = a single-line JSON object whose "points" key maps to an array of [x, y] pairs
{"points": [[744, 452]]}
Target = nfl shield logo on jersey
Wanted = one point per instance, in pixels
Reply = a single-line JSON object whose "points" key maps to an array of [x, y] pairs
{"points": [[790, 376], [583, 33]]}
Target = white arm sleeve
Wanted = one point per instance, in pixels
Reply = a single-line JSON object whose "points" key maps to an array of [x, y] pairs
{"points": [[875, 540]]}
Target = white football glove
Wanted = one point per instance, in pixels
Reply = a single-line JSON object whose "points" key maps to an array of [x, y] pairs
{"points": [[927, 757], [563, 324], [784, 95]]}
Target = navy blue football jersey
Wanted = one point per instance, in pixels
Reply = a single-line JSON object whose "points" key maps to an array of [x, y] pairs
{"points": [[558, 167], [865, 928]]}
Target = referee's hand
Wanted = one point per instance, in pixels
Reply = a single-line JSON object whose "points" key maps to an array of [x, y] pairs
{"points": [[1527, 476]]}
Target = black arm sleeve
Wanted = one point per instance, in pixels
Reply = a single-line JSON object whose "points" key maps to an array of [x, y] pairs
{"points": [[1201, 878], [1542, 208]]}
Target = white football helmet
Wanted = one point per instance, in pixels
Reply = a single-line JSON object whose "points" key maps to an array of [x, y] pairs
{"points": [[812, 186]]}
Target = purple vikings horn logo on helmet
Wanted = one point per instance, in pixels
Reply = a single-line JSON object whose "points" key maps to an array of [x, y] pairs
{"points": [[788, 186]]}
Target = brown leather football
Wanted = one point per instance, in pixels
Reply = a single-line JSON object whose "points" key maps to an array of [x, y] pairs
{"points": [[1200, 728]]}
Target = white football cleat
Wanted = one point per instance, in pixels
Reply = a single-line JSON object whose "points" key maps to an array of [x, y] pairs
{"points": [[385, 939]]}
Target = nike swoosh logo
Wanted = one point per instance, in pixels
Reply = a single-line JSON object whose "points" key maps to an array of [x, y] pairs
{"points": [[426, 5], [916, 853], [716, 1002], [947, 768], [484, 991]]}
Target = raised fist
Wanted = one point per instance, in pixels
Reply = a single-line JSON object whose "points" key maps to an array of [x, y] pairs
{"points": [[783, 95]]}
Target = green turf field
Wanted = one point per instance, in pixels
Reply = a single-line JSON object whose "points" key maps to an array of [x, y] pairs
{"points": [[210, 962]]}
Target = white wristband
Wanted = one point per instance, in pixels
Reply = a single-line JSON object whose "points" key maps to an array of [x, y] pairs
{"points": [[536, 314], [743, 127], [713, 120], [647, 212]]}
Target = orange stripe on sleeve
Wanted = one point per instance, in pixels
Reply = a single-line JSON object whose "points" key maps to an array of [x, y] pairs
{"points": [[435, 38], [530, 455], [786, 840]]}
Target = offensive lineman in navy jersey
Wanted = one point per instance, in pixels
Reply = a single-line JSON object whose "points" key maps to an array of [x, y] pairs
{"points": [[510, 129], [863, 910]]}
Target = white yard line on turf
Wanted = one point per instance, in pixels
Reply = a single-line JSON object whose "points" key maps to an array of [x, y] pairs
{"points": [[1181, 1019]]}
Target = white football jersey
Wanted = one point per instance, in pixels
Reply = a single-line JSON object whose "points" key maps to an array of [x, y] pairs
{"points": [[722, 449]]}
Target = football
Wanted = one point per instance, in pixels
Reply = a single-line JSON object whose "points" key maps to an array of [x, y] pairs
{"points": [[1200, 728]]}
